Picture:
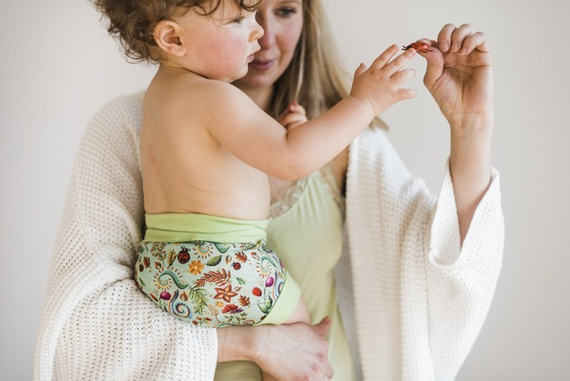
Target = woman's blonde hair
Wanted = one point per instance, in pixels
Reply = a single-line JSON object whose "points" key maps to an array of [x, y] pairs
{"points": [[315, 77]]}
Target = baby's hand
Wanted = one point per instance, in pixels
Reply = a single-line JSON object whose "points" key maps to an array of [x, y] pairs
{"points": [[380, 84], [293, 115]]}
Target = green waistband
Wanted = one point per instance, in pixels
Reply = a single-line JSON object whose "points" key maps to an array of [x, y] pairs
{"points": [[186, 227]]}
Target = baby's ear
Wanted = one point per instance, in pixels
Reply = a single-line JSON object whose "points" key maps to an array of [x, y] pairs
{"points": [[166, 35]]}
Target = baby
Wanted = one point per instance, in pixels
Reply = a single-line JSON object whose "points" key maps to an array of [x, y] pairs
{"points": [[207, 151]]}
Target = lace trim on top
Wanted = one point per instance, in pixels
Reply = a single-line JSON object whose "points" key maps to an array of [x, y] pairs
{"points": [[287, 197]]}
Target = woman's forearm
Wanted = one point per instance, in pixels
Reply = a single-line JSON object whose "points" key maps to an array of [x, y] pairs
{"points": [[470, 165], [237, 343]]}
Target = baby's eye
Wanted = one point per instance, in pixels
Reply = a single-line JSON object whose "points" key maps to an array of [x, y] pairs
{"points": [[238, 19]]}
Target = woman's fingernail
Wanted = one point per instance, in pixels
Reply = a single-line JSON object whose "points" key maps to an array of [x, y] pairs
{"points": [[443, 46]]}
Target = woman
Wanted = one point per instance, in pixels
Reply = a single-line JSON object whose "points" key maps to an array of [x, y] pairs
{"points": [[416, 277]]}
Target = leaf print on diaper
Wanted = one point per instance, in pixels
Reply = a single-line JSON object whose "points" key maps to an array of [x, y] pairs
{"points": [[266, 307], [240, 256], [222, 247], [157, 250], [214, 261], [220, 277], [200, 297]]}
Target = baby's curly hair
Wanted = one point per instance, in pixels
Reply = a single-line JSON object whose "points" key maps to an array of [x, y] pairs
{"points": [[133, 21]]}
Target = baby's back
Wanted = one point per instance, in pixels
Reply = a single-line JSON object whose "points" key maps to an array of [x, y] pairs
{"points": [[184, 168]]}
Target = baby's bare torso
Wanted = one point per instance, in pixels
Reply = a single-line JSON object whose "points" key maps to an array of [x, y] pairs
{"points": [[184, 168]]}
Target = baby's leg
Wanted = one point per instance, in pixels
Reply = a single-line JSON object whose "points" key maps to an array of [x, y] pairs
{"points": [[299, 315]]}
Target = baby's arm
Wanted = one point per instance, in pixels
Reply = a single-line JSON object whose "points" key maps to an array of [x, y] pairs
{"points": [[255, 138]]}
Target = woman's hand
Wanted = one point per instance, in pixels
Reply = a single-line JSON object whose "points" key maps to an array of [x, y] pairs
{"points": [[292, 351], [459, 74], [295, 351]]}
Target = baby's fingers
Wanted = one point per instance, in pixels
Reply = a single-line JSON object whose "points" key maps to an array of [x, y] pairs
{"points": [[296, 108], [293, 120], [397, 63], [403, 75], [383, 59], [403, 94]]}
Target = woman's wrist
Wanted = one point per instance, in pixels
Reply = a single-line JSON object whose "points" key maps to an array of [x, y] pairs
{"points": [[238, 343], [471, 137], [466, 125]]}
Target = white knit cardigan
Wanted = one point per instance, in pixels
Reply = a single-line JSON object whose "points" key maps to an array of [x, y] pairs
{"points": [[412, 301]]}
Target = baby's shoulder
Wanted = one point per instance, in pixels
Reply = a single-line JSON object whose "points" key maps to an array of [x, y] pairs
{"points": [[218, 90]]}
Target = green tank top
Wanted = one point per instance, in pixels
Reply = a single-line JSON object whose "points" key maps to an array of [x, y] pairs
{"points": [[305, 230]]}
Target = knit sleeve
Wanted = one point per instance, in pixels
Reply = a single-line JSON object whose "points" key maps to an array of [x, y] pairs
{"points": [[461, 280], [96, 323], [431, 296]]}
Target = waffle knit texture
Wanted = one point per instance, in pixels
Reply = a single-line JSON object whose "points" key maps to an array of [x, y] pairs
{"points": [[412, 301]]}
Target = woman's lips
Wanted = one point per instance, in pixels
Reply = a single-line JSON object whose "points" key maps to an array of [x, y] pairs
{"points": [[259, 65]]}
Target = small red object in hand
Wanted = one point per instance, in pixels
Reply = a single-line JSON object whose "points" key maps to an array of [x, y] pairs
{"points": [[419, 47]]}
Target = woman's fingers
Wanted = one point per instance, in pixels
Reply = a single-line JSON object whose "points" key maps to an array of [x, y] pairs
{"points": [[328, 370], [458, 36], [461, 40], [474, 41], [450, 38], [444, 37], [322, 329]]}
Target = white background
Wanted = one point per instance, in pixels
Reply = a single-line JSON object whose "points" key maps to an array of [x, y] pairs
{"points": [[59, 66]]}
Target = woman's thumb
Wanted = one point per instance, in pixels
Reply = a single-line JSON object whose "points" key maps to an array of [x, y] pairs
{"points": [[435, 61]]}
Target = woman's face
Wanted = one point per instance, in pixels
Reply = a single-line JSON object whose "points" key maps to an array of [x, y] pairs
{"points": [[282, 21]]}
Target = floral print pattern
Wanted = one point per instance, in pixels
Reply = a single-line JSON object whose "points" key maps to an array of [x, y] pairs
{"points": [[211, 284]]}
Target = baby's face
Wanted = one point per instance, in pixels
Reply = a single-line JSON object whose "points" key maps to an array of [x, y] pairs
{"points": [[221, 45]]}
